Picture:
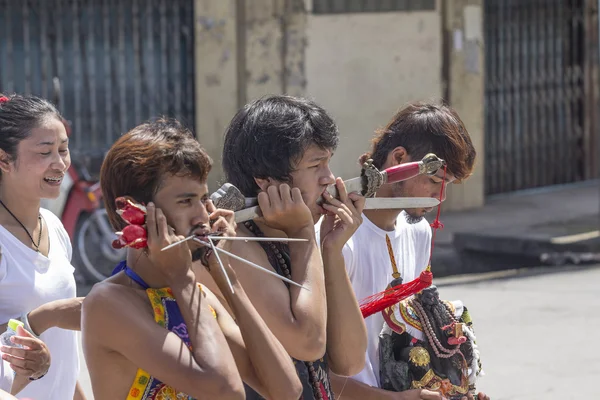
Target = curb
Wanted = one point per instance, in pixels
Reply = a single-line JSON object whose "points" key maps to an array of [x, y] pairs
{"points": [[472, 279]]}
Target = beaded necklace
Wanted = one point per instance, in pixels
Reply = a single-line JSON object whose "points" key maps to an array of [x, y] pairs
{"points": [[284, 263], [37, 246]]}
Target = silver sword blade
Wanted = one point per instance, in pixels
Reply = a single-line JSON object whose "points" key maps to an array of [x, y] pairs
{"points": [[387, 203], [373, 203], [352, 185]]}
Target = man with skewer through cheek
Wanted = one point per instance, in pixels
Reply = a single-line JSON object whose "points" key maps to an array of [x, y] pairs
{"points": [[151, 331]]}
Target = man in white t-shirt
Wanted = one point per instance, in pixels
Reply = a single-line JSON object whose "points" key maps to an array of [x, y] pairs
{"points": [[413, 132]]}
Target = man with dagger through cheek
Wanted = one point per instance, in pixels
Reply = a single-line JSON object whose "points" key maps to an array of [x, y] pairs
{"points": [[151, 331], [278, 148], [412, 133]]}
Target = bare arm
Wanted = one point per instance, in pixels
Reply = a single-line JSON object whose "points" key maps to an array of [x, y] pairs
{"points": [[288, 312], [208, 371], [349, 389], [64, 314], [20, 382], [346, 330], [210, 349], [79, 395], [261, 359], [297, 317]]}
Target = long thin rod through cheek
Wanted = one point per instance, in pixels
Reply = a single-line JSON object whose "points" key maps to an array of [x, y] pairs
{"points": [[246, 239], [214, 249], [258, 267]]}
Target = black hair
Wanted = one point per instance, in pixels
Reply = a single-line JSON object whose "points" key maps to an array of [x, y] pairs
{"points": [[423, 128], [18, 116], [138, 161], [267, 137]]}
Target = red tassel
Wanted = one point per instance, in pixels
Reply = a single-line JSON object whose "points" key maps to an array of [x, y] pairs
{"points": [[437, 224], [382, 300]]}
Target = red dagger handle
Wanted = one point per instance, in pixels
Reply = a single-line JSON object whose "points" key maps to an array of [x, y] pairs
{"points": [[429, 165], [402, 172]]}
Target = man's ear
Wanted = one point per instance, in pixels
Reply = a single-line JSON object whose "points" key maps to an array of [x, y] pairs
{"points": [[5, 160], [397, 156], [263, 184]]}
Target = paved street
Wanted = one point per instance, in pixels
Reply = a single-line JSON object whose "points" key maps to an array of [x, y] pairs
{"points": [[535, 330], [536, 333]]}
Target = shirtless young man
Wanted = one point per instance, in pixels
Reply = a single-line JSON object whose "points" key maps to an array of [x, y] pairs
{"points": [[174, 339], [413, 132], [279, 148]]}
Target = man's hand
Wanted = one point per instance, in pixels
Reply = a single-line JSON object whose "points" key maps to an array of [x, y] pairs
{"points": [[175, 262], [224, 223], [284, 209], [343, 218], [31, 361]]}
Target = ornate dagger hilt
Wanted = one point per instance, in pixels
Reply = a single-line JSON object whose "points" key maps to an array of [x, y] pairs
{"points": [[228, 197], [430, 164], [372, 178]]}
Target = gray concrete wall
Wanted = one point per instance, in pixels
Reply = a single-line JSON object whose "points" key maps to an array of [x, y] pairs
{"points": [[364, 67], [216, 79], [361, 67], [464, 30]]}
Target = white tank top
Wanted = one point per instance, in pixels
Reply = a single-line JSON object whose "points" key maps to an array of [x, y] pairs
{"points": [[370, 271], [27, 280]]}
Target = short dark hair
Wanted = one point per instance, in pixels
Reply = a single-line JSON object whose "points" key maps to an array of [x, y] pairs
{"points": [[423, 128], [18, 116], [138, 161], [269, 135]]}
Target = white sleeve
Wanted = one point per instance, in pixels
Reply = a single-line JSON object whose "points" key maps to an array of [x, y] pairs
{"points": [[424, 244], [66, 241], [55, 223], [6, 376], [349, 260], [3, 263], [68, 245]]}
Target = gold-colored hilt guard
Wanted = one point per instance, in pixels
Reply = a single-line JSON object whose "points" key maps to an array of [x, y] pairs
{"points": [[430, 164]]}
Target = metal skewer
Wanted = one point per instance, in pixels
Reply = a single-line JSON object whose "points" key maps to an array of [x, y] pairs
{"points": [[249, 239], [250, 263], [176, 243], [262, 239], [214, 248]]}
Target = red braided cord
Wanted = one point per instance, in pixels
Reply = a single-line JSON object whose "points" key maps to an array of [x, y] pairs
{"points": [[382, 300]]}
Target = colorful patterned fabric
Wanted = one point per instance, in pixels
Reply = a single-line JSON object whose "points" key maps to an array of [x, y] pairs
{"points": [[167, 315]]}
